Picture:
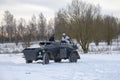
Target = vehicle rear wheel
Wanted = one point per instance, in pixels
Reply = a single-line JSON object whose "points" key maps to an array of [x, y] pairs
{"points": [[57, 60], [28, 61], [73, 57], [45, 58]]}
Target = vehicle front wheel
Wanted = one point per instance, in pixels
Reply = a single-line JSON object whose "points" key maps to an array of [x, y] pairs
{"points": [[73, 57], [45, 58]]}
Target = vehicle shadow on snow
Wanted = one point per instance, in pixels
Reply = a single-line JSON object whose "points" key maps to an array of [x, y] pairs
{"points": [[62, 62]]}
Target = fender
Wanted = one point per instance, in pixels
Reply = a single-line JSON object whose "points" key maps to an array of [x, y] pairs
{"points": [[75, 52]]}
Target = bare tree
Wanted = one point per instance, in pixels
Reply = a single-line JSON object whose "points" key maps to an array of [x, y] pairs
{"points": [[9, 22], [60, 23], [16, 39], [21, 28], [50, 29], [33, 28], [2, 33], [98, 30], [41, 26], [110, 28], [77, 20]]}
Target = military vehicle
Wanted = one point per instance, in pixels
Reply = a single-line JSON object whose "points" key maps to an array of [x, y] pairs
{"points": [[52, 51]]}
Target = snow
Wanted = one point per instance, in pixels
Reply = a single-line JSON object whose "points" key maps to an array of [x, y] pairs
{"points": [[89, 67], [10, 48]]}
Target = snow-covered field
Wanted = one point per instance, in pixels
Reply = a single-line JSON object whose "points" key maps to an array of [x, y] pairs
{"points": [[89, 67], [104, 64], [10, 48]]}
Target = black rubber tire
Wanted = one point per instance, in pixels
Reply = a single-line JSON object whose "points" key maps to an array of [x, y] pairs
{"points": [[57, 60], [73, 57], [29, 61], [45, 58]]}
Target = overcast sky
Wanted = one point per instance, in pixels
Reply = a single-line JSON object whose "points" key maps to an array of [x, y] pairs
{"points": [[26, 8]]}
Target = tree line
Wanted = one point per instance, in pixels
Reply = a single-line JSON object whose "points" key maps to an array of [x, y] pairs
{"points": [[21, 31], [80, 20]]}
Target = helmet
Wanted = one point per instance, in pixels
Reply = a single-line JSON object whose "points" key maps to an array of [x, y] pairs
{"points": [[64, 34]]}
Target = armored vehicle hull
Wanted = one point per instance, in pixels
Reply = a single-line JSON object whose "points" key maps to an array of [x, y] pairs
{"points": [[52, 51]]}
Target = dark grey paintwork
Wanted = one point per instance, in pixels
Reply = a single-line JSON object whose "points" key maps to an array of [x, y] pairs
{"points": [[56, 50]]}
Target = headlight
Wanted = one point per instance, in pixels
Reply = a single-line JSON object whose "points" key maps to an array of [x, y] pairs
{"points": [[39, 53], [43, 50]]}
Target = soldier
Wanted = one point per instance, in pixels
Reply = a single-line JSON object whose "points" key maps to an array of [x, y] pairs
{"points": [[65, 38], [52, 38]]}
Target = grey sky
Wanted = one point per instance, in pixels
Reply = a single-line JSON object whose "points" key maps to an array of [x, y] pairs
{"points": [[26, 8]]}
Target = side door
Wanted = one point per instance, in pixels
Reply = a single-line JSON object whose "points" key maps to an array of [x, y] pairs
{"points": [[63, 50]]}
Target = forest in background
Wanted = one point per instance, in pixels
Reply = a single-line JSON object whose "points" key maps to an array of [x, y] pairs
{"points": [[79, 20]]}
